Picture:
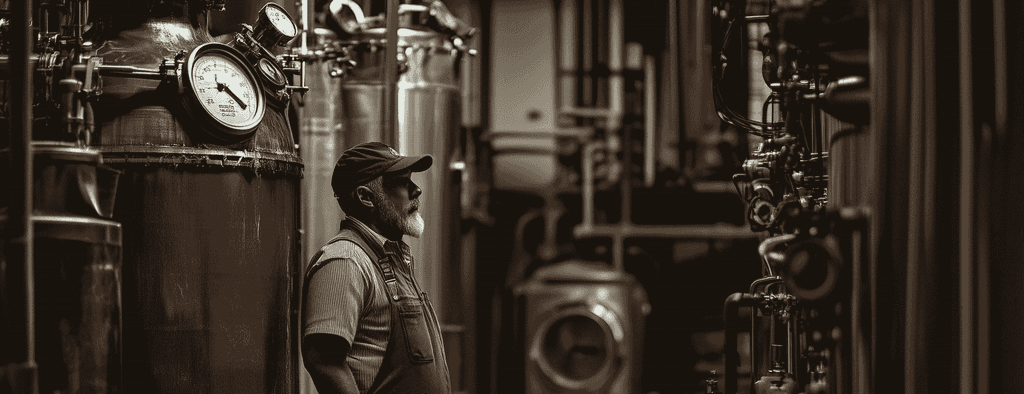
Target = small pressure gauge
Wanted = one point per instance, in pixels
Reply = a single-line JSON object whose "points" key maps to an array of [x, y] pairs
{"points": [[220, 91], [271, 73], [273, 26]]}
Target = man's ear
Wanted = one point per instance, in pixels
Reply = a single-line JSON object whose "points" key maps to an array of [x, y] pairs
{"points": [[364, 195]]}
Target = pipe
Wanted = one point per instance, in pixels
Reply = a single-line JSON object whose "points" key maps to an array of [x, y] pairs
{"points": [[767, 247], [305, 21], [566, 89], [766, 280], [969, 355], [688, 231], [789, 345], [588, 187], [650, 114], [731, 314], [390, 107], [616, 84], [21, 234]]}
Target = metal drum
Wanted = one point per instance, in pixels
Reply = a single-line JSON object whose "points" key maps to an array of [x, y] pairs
{"points": [[429, 116], [210, 231]]}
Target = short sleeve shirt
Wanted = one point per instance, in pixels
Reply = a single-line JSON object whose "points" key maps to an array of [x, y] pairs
{"points": [[347, 298]]}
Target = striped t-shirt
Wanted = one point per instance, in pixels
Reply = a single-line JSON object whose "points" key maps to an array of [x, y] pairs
{"points": [[347, 298]]}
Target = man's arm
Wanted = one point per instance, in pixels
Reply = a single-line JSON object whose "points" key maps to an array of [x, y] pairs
{"points": [[324, 356], [334, 301]]}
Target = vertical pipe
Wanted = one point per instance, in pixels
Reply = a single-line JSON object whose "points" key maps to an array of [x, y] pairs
{"points": [[752, 342], [390, 107], [920, 241], [650, 117], [861, 374], [568, 66], [968, 357], [789, 346], [306, 20], [586, 53], [588, 185], [616, 85], [21, 235], [668, 150], [1001, 99], [616, 91]]}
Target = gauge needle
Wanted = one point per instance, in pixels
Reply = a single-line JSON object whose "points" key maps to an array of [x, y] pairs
{"points": [[224, 88]]}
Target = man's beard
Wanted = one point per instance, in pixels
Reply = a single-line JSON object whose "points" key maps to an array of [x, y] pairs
{"points": [[411, 224]]}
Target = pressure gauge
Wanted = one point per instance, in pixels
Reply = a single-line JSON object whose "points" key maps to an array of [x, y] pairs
{"points": [[273, 26], [221, 92], [271, 73]]}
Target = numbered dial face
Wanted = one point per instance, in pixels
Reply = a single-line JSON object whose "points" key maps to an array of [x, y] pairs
{"points": [[280, 19], [226, 90]]}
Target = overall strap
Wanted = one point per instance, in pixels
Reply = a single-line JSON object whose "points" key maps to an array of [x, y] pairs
{"points": [[383, 264], [384, 259], [375, 252]]}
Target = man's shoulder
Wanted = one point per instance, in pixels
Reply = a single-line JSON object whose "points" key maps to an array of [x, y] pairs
{"points": [[345, 248]]}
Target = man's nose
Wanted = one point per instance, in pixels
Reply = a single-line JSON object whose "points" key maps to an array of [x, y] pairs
{"points": [[414, 191]]}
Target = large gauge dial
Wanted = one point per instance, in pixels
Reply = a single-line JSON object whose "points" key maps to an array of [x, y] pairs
{"points": [[221, 91]]}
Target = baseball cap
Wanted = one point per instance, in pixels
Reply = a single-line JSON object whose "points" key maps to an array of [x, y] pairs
{"points": [[364, 162]]}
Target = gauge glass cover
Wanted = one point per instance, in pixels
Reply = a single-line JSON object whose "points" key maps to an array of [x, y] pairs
{"points": [[280, 19], [225, 90]]}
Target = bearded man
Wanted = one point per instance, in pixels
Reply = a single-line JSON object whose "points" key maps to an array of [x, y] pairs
{"points": [[367, 326]]}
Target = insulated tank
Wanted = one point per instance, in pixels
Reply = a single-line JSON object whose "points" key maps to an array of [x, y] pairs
{"points": [[210, 228]]}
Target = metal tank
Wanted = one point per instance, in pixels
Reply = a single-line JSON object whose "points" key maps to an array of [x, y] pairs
{"points": [[210, 228]]}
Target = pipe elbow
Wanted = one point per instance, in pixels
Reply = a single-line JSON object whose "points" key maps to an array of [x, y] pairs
{"points": [[735, 300]]}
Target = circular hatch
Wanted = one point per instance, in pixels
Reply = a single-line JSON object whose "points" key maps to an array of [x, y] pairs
{"points": [[579, 347]]}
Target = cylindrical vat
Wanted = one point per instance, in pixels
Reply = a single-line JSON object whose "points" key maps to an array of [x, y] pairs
{"points": [[210, 245]]}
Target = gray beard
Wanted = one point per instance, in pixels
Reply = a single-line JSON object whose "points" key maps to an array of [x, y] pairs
{"points": [[410, 224]]}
